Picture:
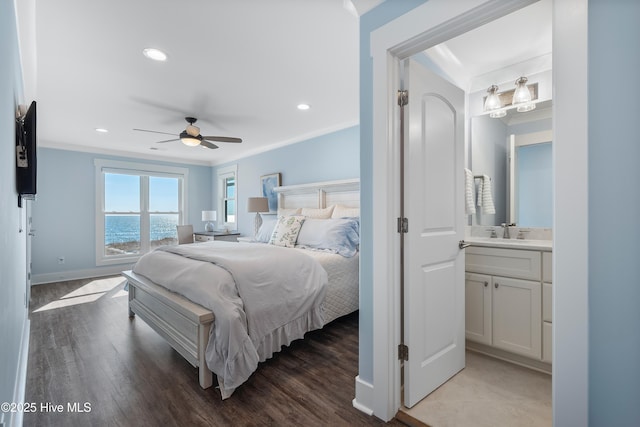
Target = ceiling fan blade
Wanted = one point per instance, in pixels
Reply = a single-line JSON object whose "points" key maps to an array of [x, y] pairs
{"points": [[167, 140], [155, 131], [222, 139], [207, 144]]}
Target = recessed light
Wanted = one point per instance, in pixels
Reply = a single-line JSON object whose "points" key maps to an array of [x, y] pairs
{"points": [[303, 107], [102, 130], [155, 54]]}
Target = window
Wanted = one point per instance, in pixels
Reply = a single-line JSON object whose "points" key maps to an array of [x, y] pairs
{"points": [[227, 200], [137, 209]]}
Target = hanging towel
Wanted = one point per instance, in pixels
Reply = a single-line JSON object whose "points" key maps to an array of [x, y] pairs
{"points": [[469, 196], [485, 198]]}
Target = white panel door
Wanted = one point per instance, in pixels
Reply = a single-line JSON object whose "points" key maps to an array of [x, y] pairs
{"points": [[434, 265]]}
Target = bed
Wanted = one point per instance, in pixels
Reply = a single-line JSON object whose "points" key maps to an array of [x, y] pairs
{"points": [[164, 286]]}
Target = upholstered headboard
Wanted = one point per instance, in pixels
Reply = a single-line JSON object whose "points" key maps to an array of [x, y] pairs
{"points": [[320, 194]]}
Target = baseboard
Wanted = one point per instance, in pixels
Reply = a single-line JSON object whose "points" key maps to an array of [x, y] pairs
{"points": [[364, 396], [14, 419], [40, 279], [516, 359]]}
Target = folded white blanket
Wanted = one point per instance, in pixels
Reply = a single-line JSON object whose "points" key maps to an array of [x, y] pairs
{"points": [[262, 296]]}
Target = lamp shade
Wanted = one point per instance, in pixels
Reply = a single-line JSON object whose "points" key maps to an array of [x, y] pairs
{"points": [[257, 204], [209, 215]]}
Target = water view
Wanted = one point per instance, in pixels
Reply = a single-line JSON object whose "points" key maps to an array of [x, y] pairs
{"points": [[122, 232]]}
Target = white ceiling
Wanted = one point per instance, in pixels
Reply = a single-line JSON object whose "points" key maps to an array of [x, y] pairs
{"points": [[240, 67], [515, 45]]}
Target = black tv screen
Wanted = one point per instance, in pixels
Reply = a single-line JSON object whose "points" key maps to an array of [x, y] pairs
{"points": [[26, 162]]}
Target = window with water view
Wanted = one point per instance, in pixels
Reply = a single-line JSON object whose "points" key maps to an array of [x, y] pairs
{"points": [[141, 211]]}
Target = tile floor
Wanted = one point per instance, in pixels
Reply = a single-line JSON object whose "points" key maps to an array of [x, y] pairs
{"points": [[488, 392]]}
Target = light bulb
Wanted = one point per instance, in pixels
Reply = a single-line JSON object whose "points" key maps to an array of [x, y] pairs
{"points": [[521, 95], [493, 100]]}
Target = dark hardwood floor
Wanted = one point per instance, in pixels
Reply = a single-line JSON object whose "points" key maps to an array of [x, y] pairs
{"points": [[93, 352]]}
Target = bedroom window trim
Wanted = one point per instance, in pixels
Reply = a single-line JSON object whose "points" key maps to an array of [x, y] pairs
{"points": [[144, 171], [223, 175]]}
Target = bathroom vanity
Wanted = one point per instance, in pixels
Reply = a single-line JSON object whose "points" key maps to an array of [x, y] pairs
{"points": [[508, 311]]}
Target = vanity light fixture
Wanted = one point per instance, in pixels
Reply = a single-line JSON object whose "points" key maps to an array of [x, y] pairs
{"points": [[303, 107], [155, 54], [102, 130], [522, 96], [492, 103]]}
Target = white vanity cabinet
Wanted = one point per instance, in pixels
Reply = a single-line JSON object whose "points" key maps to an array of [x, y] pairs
{"points": [[504, 301], [547, 308]]}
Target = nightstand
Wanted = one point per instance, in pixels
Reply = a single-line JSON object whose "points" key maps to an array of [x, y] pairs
{"points": [[207, 236]]}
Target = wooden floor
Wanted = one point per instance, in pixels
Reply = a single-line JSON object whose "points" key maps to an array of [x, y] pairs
{"points": [[93, 352]]}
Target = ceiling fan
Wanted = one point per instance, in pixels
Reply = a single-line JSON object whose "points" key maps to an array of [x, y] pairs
{"points": [[191, 136]]}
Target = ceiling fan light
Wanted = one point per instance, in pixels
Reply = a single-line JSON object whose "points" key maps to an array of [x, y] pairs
{"points": [[190, 141]]}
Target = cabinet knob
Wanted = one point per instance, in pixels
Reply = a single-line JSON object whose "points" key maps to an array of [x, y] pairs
{"points": [[486, 284], [496, 285]]}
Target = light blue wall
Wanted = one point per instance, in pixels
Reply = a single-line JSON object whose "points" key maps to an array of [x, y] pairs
{"points": [[614, 207], [370, 21], [535, 186], [328, 157], [64, 212], [13, 313]]}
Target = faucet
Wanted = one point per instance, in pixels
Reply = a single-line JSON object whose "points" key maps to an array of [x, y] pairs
{"points": [[506, 234], [493, 232]]}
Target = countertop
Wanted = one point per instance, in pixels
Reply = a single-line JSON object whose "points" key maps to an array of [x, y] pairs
{"points": [[530, 244]]}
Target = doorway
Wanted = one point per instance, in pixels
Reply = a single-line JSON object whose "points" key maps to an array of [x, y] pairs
{"points": [[425, 27]]}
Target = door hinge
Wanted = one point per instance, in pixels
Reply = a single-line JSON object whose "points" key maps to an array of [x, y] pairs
{"points": [[403, 352], [403, 225], [403, 97]]}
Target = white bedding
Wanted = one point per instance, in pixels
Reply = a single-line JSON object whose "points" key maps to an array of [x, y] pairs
{"points": [[262, 296], [343, 287]]}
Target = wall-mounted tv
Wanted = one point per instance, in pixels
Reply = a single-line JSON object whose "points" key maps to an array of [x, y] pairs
{"points": [[26, 162]]}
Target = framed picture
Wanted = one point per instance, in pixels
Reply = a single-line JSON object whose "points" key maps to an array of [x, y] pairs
{"points": [[268, 183]]}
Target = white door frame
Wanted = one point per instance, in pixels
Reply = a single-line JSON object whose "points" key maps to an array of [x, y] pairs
{"points": [[434, 22]]}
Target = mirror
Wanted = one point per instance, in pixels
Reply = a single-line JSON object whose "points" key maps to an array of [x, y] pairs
{"points": [[521, 188]]}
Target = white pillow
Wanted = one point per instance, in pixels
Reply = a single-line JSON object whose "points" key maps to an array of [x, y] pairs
{"points": [[320, 213], [288, 212], [337, 235], [341, 211], [266, 229], [286, 231]]}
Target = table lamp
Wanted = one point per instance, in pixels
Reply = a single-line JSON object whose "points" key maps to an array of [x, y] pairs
{"points": [[257, 205], [208, 217]]}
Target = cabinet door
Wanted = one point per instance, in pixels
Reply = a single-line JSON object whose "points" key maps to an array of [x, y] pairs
{"points": [[478, 307], [517, 317]]}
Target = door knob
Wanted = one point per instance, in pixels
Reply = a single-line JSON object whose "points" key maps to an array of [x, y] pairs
{"points": [[462, 244]]}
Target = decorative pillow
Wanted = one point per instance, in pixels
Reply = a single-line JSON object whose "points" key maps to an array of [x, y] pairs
{"points": [[289, 212], [266, 229], [337, 235], [341, 211], [286, 231], [320, 213]]}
